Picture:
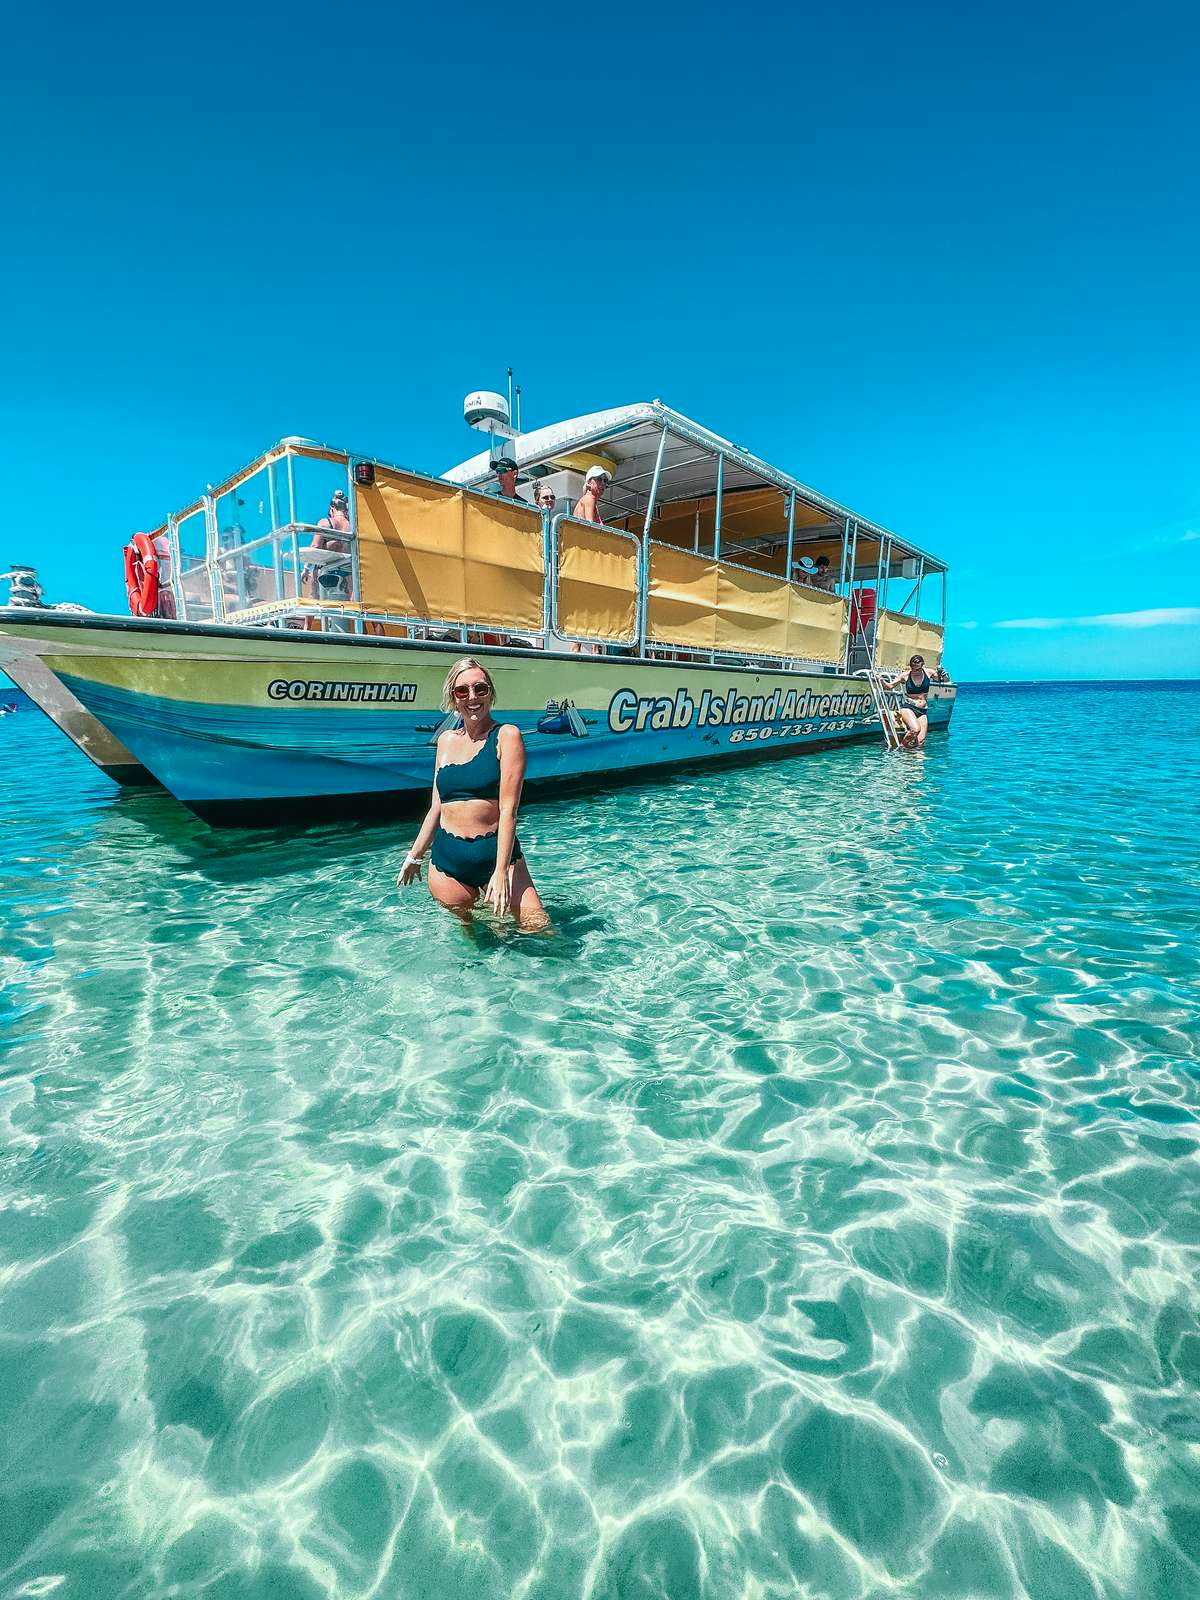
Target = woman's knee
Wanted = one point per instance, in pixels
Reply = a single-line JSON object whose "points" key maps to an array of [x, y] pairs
{"points": [[523, 897]]}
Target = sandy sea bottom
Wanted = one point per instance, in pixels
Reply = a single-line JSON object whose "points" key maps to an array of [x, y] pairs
{"points": [[815, 1212]]}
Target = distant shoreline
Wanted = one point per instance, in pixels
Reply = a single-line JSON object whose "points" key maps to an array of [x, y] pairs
{"points": [[1077, 683]]}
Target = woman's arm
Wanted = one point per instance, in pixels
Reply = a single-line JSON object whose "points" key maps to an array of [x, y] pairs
{"points": [[512, 776], [412, 861]]}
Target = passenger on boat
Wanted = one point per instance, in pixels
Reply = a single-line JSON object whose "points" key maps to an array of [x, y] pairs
{"points": [[824, 577], [587, 507], [805, 570], [330, 583], [505, 486], [544, 497], [913, 704], [472, 818]]}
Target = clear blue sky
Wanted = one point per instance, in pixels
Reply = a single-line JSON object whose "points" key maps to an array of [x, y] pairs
{"points": [[941, 261]]}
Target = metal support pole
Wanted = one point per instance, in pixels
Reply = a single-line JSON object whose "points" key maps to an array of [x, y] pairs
{"points": [[845, 550], [276, 545], [885, 557], [920, 581], [943, 597], [720, 500], [644, 577], [352, 497], [787, 571], [850, 595]]}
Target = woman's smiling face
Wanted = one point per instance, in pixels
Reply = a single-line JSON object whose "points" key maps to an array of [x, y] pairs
{"points": [[472, 690]]}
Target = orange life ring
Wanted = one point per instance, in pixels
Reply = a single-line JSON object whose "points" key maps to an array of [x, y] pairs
{"points": [[141, 575]]}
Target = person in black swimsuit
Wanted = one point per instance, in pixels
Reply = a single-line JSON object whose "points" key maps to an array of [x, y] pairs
{"points": [[472, 819], [914, 701]]}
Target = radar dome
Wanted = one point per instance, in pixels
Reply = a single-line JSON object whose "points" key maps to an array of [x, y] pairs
{"points": [[486, 411]]}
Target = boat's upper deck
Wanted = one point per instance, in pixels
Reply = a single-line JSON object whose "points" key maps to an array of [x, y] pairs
{"points": [[705, 551]]}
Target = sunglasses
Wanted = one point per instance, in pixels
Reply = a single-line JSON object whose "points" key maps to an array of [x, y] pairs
{"points": [[469, 691]]}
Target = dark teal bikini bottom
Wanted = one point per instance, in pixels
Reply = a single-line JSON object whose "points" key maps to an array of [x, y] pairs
{"points": [[470, 861], [909, 705]]}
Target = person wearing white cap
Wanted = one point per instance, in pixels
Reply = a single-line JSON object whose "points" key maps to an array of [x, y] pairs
{"points": [[595, 481]]}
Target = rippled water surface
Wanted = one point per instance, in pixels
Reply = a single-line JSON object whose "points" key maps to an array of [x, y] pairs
{"points": [[814, 1213]]}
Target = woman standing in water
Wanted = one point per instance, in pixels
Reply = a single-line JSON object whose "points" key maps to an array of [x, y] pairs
{"points": [[472, 817]]}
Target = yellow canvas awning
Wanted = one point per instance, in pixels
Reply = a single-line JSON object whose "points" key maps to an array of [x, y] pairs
{"points": [[709, 605], [444, 554], [597, 582]]}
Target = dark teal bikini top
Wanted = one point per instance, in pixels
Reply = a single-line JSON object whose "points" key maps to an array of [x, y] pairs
{"points": [[911, 686], [476, 779]]}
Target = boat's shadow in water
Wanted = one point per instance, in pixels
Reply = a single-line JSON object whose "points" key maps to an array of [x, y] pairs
{"points": [[156, 824]]}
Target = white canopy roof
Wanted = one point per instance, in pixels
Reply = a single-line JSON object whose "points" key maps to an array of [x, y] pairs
{"points": [[629, 435]]}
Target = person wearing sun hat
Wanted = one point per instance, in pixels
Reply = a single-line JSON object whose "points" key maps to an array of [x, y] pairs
{"points": [[505, 486], [595, 481]]}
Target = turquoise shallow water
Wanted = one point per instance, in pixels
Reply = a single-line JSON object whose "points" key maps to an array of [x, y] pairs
{"points": [[816, 1212]]}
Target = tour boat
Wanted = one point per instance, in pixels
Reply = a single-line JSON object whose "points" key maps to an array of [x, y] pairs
{"points": [[292, 627]]}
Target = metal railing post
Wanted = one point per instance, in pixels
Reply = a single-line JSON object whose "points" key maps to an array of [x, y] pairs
{"points": [[550, 597], [216, 587], [176, 559], [787, 571]]}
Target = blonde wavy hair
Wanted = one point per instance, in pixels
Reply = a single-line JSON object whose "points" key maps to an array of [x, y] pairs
{"points": [[452, 678]]}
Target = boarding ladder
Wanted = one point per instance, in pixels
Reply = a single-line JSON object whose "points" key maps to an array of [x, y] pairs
{"points": [[884, 709]]}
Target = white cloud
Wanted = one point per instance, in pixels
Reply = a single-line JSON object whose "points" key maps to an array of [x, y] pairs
{"points": [[1164, 617], [1168, 541], [966, 625]]}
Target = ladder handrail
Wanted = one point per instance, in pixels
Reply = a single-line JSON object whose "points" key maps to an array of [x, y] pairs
{"points": [[883, 706], [880, 694]]}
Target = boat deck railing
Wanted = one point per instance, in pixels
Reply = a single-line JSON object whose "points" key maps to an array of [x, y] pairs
{"points": [[425, 558]]}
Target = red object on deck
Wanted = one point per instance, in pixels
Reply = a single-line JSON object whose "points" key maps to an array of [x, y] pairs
{"points": [[141, 575], [862, 611]]}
